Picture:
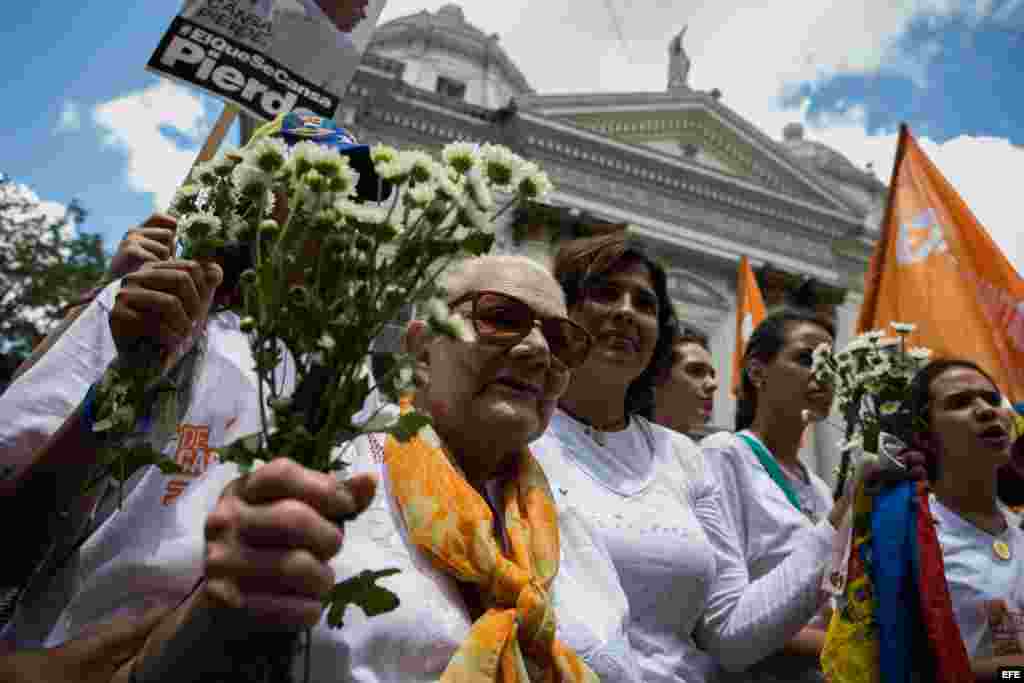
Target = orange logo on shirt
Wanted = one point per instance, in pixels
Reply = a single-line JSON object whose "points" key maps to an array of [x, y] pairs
{"points": [[194, 456]]}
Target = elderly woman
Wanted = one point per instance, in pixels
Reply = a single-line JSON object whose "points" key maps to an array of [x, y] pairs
{"points": [[966, 441], [494, 582], [768, 496], [657, 509]]}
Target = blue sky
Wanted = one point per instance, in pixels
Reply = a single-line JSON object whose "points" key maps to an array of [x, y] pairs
{"points": [[84, 120]]}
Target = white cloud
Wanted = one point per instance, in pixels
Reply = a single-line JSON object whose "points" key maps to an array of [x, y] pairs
{"points": [[135, 123], [70, 120]]}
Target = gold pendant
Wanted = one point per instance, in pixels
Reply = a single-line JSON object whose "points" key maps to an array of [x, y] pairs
{"points": [[1001, 550]]}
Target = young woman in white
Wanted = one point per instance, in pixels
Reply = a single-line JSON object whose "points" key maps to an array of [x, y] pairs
{"points": [[768, 496], [648, 493], [966, 441]]}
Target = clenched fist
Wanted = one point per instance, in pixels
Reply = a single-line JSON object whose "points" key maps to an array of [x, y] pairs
{"points": [[163, 303], [271, 536], [151, 241]]}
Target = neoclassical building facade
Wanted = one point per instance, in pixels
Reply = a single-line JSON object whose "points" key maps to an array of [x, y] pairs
{"points": [[698, 184]]}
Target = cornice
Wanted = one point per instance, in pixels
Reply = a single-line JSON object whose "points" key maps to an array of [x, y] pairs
{"points": [[677, 176], [563, 105]]}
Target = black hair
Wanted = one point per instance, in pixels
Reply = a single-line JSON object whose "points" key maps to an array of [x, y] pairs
{"points": [[583, 262], [916, 431], [765, 344]]}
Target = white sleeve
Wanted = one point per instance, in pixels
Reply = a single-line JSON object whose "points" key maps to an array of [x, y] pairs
{"points": [[726, 465], [36, 404], [744, 622]]}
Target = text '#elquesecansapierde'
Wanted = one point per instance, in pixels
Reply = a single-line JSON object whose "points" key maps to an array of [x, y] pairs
{"points": [[204, 58]]}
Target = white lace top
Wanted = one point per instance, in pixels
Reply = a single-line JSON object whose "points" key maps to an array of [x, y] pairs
{"points": [[659, 512]]}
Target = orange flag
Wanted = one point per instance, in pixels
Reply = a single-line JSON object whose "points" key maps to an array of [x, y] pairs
{"points": [[936, 267], [750, 312]]}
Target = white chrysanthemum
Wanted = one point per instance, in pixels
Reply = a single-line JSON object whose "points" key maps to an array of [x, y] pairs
{"points": [[448, 189], [478, 191], [361, 213], [461, 156], [873, 335], [421, 165], [382, 154], [268, 154], [305, 156], [200, 225], [858, 344], [186, 200], [396, 170], [205, 173], [314, 180], [500, 165], [251, 180], [421, 195], [224, 165], [532, 182], [903, 328]]}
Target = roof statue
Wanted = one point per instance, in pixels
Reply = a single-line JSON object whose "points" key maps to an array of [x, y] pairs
{"points": [[678, 64]]}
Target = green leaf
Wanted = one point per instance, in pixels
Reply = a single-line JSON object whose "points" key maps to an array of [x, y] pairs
{"points": [[478, 243], [361, 590], [408, 426]]}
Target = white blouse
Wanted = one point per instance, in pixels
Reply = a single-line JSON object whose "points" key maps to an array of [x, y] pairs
{"points": [[977, 579], [769, 529], [410, 644], [660, 514]]}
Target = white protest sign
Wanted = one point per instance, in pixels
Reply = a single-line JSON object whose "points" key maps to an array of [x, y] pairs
{"points": [[268, 56]]}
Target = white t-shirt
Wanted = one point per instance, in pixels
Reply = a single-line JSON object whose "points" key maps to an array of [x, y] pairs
{"points": [[767, 526], [411, 644], [976, 578], [660, 515], [223, 407]]}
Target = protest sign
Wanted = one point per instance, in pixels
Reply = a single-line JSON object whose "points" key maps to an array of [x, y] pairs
{"points": [[268, 56]]}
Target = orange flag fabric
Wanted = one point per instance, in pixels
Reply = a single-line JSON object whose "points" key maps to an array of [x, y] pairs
{"points": [[750, 312], [936, 266]]}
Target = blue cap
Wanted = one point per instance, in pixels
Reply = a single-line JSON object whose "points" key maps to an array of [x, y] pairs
{"points": [[299, 125]]}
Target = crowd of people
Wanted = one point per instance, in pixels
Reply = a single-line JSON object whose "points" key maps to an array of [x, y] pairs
{"points": [[556, 523]]}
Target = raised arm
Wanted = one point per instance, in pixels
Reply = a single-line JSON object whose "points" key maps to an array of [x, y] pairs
{"points": [[746, 621]]}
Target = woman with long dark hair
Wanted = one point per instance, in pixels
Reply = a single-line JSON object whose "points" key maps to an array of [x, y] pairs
{"points": [[645, 487], [769, 496], [964, 428]]}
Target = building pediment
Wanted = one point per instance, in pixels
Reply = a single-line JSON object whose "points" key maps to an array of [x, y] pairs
{"points": [[696, 128]]}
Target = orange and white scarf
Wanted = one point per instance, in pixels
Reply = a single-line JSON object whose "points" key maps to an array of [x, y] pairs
{"points": [[453, 526]]}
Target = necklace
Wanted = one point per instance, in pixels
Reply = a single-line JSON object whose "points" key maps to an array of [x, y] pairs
{"points": [[597, 433], [1000, 548]]}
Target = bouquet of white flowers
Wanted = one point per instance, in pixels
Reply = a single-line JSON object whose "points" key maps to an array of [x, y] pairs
{"points": [[871, 378], [328, 273]]}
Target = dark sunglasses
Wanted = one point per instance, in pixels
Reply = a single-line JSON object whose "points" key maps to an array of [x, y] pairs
{"points": [[505, 320]]}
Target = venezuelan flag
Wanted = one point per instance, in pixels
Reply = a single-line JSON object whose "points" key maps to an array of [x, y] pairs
{"points": [[895, 623]]}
